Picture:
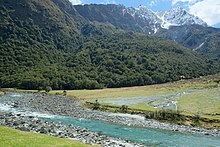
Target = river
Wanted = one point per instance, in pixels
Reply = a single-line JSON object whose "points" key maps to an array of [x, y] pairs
{"points": [[146, 136]]}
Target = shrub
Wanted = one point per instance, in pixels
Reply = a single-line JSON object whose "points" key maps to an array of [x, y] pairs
{"points": [[48, 89]]}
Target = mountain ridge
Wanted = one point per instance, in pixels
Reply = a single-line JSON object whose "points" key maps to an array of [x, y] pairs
{"points": [[142, 16]]}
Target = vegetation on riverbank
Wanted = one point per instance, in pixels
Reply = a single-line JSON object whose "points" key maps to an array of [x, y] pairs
{"points": [[12, 137], [171, 116], [1, 93]]}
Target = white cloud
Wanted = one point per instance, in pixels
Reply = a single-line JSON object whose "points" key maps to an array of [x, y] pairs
{"points": [[76, 2], [110, 2], [186, 1], [208, 10], [153, 3]]}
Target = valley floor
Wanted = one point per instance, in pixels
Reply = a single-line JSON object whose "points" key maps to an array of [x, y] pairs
{"points": [[27, 108], [200, 96]]}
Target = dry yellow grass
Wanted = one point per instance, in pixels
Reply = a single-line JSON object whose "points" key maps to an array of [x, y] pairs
{"points": [[166, 88]]}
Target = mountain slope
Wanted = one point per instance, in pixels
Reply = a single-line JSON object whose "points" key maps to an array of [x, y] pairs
{"points": [[140, 19], [48, 42], [205, 40]]}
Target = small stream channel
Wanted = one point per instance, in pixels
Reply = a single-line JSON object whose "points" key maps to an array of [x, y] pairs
{"points": [[149, 137]]}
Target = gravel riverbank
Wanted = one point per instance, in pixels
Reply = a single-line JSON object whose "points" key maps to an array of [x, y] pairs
{"points": [[34, 124], [64, 106]]}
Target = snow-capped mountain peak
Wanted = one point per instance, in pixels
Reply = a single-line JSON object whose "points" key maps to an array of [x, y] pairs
{"points": [[146, 16], [178, 17], [173, 17]]}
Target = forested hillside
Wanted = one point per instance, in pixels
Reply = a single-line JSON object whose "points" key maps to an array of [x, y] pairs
{"points": [[47, 43]]}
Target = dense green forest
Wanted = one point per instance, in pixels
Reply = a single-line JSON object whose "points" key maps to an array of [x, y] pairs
{"points": [[42, 45]]}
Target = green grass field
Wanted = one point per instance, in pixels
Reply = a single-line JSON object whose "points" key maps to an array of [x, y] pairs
{"points": [[206, 102], [15, 138]]}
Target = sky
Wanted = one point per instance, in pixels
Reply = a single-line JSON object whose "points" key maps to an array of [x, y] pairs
{"points": [[207, 10]]}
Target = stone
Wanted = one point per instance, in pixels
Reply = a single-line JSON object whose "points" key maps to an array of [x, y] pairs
{"points": [[24, 129]]}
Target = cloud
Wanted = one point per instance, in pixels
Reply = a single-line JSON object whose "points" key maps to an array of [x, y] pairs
{"points": [[184, 1], [208, 10], [153, 3], [110, 2], [76, 2]]}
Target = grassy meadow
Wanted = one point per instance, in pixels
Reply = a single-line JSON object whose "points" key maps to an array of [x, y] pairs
{"points": [[179, 86]]}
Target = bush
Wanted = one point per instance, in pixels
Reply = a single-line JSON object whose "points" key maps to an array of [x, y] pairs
{"points": [[124, 108], [96, 105], [48, 89], [168, 115]]}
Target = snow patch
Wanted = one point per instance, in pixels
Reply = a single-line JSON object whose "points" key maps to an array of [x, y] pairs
{"points": [[199, 46]]}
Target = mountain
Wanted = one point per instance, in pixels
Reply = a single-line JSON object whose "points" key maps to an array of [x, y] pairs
{"points": [[191, 32], [179, 17], [52, 43], [144, 16], [140, 19], [176, 24], [204, 40]]}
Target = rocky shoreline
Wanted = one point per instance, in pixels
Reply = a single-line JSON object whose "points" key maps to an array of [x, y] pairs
{"points": [[64, 106], [34, 124]]}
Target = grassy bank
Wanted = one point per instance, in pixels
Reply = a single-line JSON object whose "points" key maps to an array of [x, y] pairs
{"points": [[12, 137]]}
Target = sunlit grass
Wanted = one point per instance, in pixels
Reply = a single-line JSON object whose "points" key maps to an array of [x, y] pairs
{"points": [[179, 86], [202, 102]]}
